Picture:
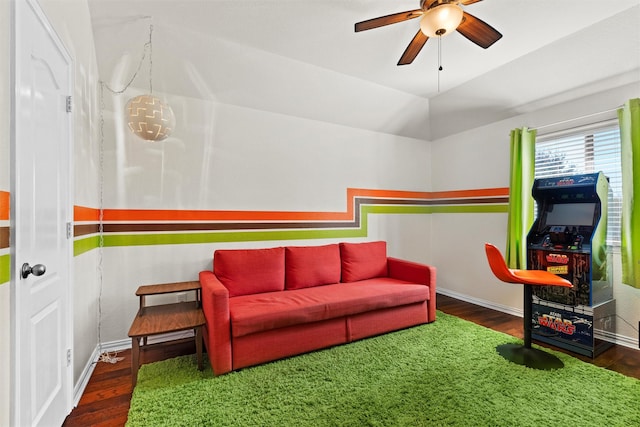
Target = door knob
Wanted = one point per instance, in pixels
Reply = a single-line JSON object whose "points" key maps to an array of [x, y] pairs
{"points": [[36, 270]]}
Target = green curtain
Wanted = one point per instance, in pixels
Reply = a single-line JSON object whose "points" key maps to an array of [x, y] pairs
{"points": [[520, 215], [629, 117]]}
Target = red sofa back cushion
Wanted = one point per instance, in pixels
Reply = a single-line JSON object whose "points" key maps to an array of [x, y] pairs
{"points": [[361, 261], [308, 266], [250, 271]]}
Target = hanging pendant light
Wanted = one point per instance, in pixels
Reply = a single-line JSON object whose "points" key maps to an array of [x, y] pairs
{"points": [[149, 117], [441, 20]]}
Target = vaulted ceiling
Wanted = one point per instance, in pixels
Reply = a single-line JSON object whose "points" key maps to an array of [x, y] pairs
{"points": [[263, 53]]}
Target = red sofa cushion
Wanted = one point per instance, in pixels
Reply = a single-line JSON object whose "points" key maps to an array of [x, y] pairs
{"points": [[250, 271], [362, 261], [307, 266], [262, 312]]}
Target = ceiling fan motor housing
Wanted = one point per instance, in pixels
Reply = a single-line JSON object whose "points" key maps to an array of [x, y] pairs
{"points": [[429, 4], [440, 18]]}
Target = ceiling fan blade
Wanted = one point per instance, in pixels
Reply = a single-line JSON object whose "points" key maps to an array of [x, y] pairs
{"points": [[468, 2], [413, 49], [478, 31], [387, 20]]}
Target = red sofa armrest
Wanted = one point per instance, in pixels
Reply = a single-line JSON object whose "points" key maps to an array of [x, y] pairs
{"points": [[416, 273], [215, 305]]}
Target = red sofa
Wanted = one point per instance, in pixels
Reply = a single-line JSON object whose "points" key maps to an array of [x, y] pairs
{"points": [[266, 304]]}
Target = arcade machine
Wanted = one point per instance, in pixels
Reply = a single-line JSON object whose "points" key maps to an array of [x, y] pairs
{"points": [[568, 238]]}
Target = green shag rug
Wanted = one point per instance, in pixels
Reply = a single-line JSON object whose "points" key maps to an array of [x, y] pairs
{"points": [[445, 373]]}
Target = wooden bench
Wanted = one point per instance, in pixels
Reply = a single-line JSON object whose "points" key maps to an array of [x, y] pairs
{"points": [[165, 318]]}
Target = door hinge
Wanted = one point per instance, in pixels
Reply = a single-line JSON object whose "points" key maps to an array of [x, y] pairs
{"points": [[68, 104], [68, 357], [69, 230]]}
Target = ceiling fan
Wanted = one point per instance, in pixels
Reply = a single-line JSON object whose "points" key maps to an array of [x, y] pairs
{"points": [[439, 18]]}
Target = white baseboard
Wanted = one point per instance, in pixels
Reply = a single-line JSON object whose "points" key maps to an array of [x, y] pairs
{"points": [[481, 302], [617, 339], [602, 335], [81, 385], [78, 389]]}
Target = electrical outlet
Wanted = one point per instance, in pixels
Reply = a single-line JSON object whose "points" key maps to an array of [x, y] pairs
{"points": [[182, 296]]}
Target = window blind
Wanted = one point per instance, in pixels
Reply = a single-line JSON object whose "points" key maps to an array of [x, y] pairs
{"points": [[586, 150]]}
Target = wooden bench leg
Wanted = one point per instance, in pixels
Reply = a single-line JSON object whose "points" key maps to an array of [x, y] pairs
{"points": [[135, 360], [199, 347]]}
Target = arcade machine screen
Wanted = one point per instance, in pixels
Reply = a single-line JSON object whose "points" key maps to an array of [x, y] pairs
{"points": [[565, 225], [571, 214]]}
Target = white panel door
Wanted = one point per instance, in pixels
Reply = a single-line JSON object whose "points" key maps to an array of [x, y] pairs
{"points": [[40, 205]]}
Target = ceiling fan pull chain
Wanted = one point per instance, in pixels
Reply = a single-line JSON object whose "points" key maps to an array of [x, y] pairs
{"points": [[439, 60], [150, 59]]}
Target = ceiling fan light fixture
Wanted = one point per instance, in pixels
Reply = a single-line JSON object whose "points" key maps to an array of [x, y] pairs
{"points": [[441, 20]]}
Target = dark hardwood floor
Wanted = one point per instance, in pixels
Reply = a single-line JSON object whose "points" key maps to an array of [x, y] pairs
{"points": [[106, 399]]}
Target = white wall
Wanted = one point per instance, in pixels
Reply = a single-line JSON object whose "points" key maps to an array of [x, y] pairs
{"points": [[228, 157], [5, 92], [479, 158]]}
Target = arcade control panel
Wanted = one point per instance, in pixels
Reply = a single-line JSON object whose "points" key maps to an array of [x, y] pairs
{"points": [[562, 237]]}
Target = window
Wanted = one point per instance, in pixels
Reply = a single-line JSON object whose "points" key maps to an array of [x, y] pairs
{"points": [[586, 150]]}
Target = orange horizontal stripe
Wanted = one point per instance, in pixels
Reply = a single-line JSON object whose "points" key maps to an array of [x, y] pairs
{"points": [[82, 213], [393, 194], [89, 214], [4, 205], [482, 192], [195, 215], [229, 215]]}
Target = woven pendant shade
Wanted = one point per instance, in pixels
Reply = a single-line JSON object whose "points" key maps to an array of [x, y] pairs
{"points": [[150, 118]]}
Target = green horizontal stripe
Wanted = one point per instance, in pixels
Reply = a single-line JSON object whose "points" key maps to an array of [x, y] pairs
{"points": [[470, 209], [381, 209], [114, 240], [85, 245], [5, 268], [238, 236], [394, 209]]}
